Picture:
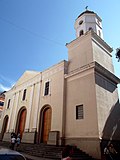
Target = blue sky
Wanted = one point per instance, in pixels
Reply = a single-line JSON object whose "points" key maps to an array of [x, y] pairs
{"points": [[33, 33]]}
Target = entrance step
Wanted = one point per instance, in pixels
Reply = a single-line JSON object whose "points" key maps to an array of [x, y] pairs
{"points": [[48, 151]]}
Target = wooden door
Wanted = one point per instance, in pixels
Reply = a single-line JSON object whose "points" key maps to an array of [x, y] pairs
{"points": [[6, 123], [22, 122], [4, 127], [46, 124]]}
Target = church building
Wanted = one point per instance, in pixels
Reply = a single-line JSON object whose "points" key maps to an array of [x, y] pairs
{"points": [[74, 102]]}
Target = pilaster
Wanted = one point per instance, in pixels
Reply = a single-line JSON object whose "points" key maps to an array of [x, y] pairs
{"points": [[27, 125]]}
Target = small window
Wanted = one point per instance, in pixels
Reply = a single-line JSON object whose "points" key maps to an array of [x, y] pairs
{"points": [[1, 103], [80, 22], [79, 112], [81, 32], [8, 104], [90, 28], [46, 92], [24, 95]]}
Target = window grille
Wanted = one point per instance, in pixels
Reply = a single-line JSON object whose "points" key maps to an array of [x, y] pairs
{"points": [[79, 112], [46, 92]]}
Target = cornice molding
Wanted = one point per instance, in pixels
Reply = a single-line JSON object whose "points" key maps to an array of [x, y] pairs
{"points": [[79, 70], [94, 37], [98, 68], [101, 42], [103, 71]]}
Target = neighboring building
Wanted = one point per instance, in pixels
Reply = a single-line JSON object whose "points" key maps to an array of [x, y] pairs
{"points": [[2, 99], [72, 102]]}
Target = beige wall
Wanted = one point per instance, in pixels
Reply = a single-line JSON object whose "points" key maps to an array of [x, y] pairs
{"points": [[81, 90], [80, 52], [107, 99], [35, 99], [87, 49], [55, 98], [102, 56], [15, 95], [82, 132]]}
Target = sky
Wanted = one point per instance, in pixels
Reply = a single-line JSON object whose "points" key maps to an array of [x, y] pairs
{"points": [[33, 33]]}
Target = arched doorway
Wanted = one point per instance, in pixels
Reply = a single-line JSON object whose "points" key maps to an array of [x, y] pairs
{"points": [[20, 125], [4, 127], [45, 124]]}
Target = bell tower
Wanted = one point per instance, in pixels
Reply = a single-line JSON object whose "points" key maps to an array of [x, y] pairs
{"points": [[91, 87], [89, 46], [86, 21]]}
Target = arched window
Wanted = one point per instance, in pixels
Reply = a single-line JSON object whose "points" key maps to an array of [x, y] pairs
{"points": [[81, 32], [90, 28], [80, 22]]}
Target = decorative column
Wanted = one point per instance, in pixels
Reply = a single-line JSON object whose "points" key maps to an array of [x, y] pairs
{"points": [[7, 135], [9, 126], [14, 111], [36, 105], [27, 126]]}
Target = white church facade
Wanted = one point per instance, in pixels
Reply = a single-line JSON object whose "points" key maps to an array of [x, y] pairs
{"points": [[73, 102]]}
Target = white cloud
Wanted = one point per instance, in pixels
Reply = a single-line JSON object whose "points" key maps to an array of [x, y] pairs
{"points": [[5, 83], [4, 88], [6, 80]]}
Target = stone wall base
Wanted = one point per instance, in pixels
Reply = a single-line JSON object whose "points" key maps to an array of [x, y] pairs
{"points": [[7, 137], [53, 138], [28, 137], [89, 145]]}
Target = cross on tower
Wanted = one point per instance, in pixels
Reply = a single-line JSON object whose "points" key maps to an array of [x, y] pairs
{"points": [[86, 7]]}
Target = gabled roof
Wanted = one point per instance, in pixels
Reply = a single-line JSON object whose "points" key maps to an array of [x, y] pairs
{"points": [[27, 75]]}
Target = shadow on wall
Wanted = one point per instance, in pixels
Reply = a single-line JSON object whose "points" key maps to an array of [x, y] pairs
{"points": [[104, 83], [111, 131]]}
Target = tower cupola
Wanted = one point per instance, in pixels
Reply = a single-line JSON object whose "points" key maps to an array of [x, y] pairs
{"points": [[86, 21]]}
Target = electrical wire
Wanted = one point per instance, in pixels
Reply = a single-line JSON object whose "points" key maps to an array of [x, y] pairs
{"points": [[31, 32]]}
